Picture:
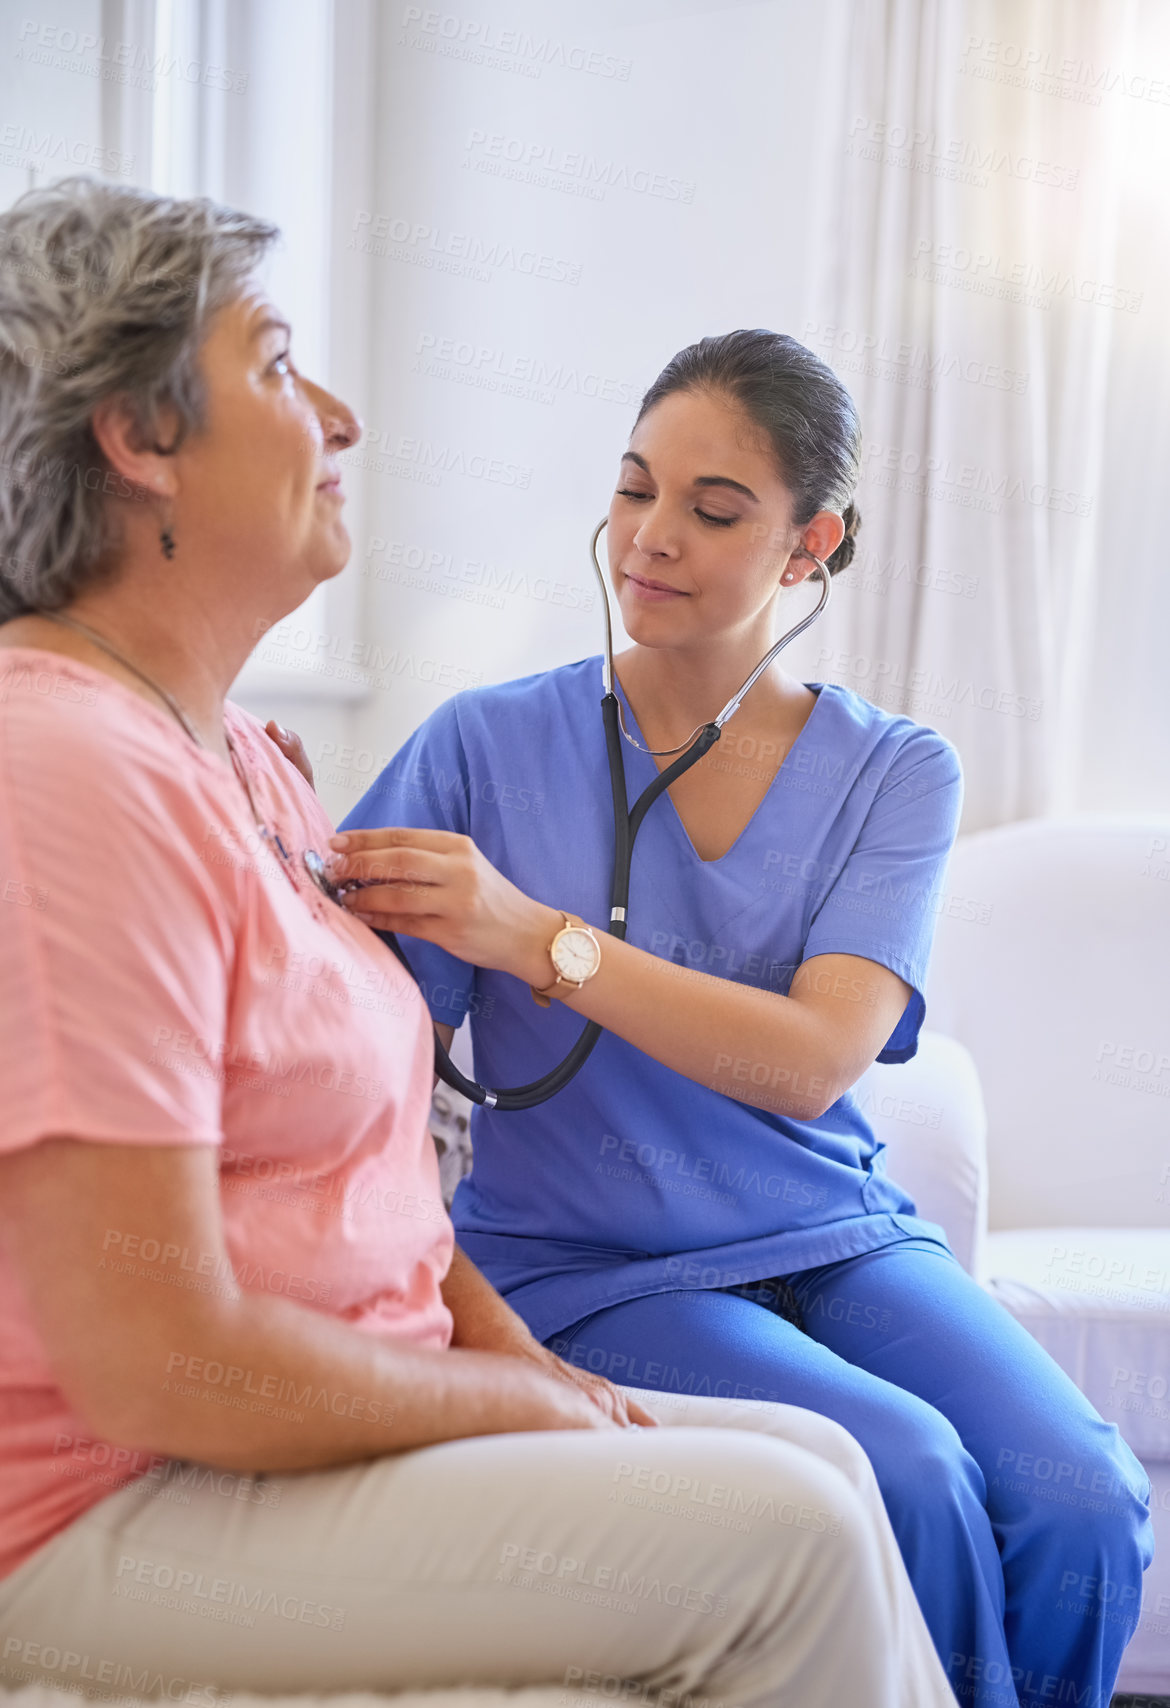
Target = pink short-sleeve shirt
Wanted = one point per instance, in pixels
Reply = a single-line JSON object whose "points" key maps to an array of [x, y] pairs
{"points": [[165, 978]]}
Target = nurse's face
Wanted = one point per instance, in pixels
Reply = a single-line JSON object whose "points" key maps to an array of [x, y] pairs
{"points": [[700, 526]]}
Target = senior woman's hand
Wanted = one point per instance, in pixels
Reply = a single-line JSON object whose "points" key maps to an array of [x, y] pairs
{"points": [[436, 885], [608, 1399]]}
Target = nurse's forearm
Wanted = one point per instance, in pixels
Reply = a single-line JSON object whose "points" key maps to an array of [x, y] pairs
{"points": [[754, 1045], [793, 1054], [481, 1318]]}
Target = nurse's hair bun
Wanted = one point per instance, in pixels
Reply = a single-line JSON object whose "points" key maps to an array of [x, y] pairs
{"points": [[797, 402], [843, 556]]}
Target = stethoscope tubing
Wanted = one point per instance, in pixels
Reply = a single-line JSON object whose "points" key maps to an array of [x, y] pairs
{"points": [[627, 821]]}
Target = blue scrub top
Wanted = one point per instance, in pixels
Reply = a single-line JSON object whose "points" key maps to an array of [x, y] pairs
{"points": [[635, 1180]]}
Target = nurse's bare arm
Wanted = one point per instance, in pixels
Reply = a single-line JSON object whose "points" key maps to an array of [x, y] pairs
{"points": [[149, 1362], [485, 1320], [794, 1054], [446, 1033]]}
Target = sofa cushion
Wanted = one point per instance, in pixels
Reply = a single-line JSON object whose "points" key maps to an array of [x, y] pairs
{"points": [[1045, 965], [929, 1115], [462, 1696], [1098, 1300]]}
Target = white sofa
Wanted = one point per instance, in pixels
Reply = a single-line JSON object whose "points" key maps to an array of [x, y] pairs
{"points": [[1034, 1122], [1047, 1077], [1032, 1127]]}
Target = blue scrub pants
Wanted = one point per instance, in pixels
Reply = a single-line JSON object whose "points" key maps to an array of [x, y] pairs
{"points": [[1021, 1515]]}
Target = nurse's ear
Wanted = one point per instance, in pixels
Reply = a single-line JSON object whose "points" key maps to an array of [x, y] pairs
{"points": [[818, 539]]}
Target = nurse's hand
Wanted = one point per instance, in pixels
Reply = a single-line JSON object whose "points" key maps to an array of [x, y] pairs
{"points": [[293, 748], [436, 885]]}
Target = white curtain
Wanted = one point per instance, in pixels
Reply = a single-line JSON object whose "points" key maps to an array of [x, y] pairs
{"points": [[993, 295]]}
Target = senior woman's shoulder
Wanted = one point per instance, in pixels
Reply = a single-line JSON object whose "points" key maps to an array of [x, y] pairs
{"points": [[74, 735]]}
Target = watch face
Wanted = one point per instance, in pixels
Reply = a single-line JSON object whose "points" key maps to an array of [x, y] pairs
{"points": [[576, 954]]}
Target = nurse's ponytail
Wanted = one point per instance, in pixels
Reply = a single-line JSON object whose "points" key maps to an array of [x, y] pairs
{"points": [[795, 399]]}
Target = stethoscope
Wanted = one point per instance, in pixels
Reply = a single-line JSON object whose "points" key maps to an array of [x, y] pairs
{"points": [[626, 823]]}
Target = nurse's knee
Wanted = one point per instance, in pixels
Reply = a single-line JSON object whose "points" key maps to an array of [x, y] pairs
{"points": [[1094, 1503], [922, 1467]]}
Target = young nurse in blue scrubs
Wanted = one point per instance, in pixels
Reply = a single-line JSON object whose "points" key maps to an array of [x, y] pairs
{"points": [[705, 1207]]}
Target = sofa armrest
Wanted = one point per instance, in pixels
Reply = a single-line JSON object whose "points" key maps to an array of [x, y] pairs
{"points": [[928, 1112]]}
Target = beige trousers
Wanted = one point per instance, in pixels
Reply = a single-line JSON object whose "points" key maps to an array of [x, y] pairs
{"points": [[739, 1554]]}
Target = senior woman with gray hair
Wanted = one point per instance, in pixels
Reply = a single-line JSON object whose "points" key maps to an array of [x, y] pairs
{"points": [[262, 1426]]}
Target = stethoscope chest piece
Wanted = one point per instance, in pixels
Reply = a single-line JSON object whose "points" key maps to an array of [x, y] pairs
{"points": [[315, 867]]}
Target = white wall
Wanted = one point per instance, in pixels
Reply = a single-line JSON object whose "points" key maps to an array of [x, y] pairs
{"points": [[50, 106], [664, 193], [558, 195]]}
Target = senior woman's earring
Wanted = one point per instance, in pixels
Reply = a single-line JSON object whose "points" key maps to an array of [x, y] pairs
{"points": [[167, 541]]}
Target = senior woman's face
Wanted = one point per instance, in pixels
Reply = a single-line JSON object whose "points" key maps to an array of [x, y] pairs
{"points": [[261, 484]]}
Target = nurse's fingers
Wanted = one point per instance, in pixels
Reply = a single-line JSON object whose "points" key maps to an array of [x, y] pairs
{"points": [[394, 836], [400, 867], [427, 927], [293, 748]]}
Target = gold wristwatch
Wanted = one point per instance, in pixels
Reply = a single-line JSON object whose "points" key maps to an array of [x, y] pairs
{"points": [[576, 955]]}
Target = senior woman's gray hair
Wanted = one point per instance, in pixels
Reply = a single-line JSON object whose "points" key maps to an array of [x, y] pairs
{"points": [[104, 290]]}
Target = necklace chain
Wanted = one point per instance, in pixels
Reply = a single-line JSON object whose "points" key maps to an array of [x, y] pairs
{"points": [[176, 708]]}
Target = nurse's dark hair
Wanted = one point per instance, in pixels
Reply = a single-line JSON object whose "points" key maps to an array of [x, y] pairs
{"points": [[800, 406]]}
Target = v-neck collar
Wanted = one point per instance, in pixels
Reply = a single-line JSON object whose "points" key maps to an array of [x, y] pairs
{"points": [[646, 761]]}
